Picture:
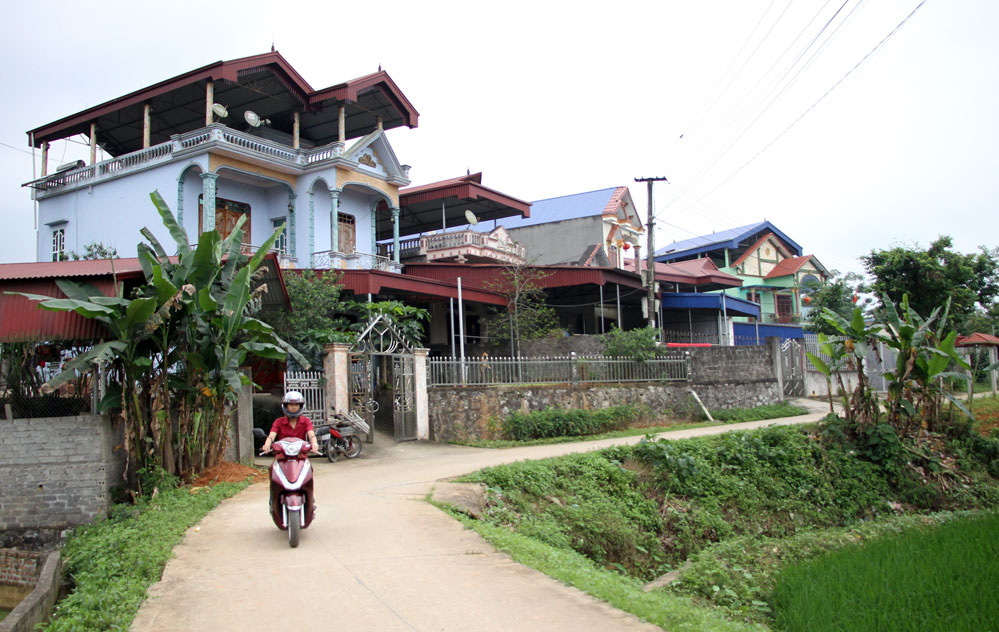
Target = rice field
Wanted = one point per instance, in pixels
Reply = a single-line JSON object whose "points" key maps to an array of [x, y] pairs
{"points": [[943, 578]]}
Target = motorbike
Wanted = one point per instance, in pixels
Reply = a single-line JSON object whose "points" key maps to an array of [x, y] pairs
{"points": [[339, 439], [292, 502]]}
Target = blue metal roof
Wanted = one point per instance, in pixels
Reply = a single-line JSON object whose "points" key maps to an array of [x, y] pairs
{"points": [[710, 300], [746, 333], [562, 208], [716, 241]]}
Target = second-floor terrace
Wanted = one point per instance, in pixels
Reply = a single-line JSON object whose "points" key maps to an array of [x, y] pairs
{"points": [[459, 246]]}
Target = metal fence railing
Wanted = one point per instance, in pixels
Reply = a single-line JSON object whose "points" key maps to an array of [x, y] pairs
{"points": [[487, 371]]}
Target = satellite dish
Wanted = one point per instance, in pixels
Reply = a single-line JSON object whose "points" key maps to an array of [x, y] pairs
{"points": [[254, 120], [470, 216], [219, 110]]}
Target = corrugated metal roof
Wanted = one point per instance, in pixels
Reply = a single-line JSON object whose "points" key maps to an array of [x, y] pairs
{"points": [[123, 268], [725, 239], [21, 319], [590, 204], [482, 275], [378, 282], [693, 300]]}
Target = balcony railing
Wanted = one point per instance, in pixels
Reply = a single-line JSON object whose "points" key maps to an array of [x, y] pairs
{"points": [[329, 260], [460, 243], [180, 145], [284, 260]]}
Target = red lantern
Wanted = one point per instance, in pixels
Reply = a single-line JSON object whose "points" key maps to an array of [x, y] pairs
{"points": [[626, 245], [855, 298], [807, 299]]}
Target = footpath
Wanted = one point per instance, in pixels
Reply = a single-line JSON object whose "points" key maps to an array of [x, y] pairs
{"points": [[377, 556]]}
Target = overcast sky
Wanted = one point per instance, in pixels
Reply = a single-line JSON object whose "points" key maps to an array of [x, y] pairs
{"points": [[754, 109]]}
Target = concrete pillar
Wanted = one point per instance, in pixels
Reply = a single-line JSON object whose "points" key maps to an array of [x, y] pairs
{"points": [[45, 159], [341, 124], [209, 102], [395, 234], [374, 227], [208, 183], [292, 231], [334, 220], [240, 448], [336, 368], [773, 349], [421, 397], [295, 131], [93, 143], [312, 228], [146, 126]]}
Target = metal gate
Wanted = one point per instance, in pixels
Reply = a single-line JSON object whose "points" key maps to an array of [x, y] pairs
{"points": [[311, 385], [403, 397], [792, 365], [380, 338]]}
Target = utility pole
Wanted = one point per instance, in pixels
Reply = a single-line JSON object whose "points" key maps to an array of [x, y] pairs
{"points": [[650, 272]]}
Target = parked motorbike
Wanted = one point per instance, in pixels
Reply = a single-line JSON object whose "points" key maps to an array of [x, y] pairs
{"points": [[292, 502], [337, 440]]}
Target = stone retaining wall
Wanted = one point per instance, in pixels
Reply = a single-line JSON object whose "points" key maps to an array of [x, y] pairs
{"points": [[723, 377]]}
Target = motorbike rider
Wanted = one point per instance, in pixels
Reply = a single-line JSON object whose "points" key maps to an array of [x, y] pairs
{"points": [[293, 424]]}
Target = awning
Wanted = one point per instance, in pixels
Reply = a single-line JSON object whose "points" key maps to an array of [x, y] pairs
{"points": [[362, 282], [713, 301]]}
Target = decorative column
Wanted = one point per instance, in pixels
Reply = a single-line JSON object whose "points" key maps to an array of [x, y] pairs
{"points": [[374, 227], [295, 131], [421, 398], [395, 234], [208, 183], [45, 159], [292, 232], [312, 226], [93, 143], [180, 198], [341, 125], [334, 220]]}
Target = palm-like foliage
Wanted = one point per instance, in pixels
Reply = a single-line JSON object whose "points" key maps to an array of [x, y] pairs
{"points": [[177, 344]]}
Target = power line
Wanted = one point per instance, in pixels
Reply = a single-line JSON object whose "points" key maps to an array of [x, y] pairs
{"points": [[856, 66]]}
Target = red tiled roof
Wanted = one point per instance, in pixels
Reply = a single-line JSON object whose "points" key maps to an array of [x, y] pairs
{"points": [[787, 266], [977, 339], [693, 271]]}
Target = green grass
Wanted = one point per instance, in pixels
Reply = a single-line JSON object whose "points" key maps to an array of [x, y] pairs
{"points": [[758, 413], [924, 579], [678, 614], [3, 613], [111, 563], [727, 416]]}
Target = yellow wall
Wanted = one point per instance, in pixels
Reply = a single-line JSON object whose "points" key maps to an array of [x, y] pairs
{"points": [[214, 162], [345, 176]]}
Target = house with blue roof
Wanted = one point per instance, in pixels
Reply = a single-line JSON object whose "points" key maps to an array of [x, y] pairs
{"points": [[773, 267], [597, 228]]}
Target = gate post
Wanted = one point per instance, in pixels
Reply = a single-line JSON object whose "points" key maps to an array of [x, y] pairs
{"points": [[421, 396], [773, 346], [336, 367]]}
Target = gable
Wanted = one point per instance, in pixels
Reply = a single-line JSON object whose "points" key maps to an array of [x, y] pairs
{"points": [[761, 259], [374, 155]]}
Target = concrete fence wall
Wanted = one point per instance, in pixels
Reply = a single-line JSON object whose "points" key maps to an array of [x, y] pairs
{"points": [[723, 377], [56, 471]]}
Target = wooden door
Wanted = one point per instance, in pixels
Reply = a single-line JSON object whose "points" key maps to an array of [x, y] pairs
{"points": [[347, 233]]}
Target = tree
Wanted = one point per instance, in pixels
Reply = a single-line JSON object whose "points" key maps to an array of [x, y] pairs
{"points": [[528, 316], [836, 294], [930, 277], [95, 250], [316, 315], [176, 345]]}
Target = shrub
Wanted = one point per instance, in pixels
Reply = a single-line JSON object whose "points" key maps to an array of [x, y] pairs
{"points": [[573, 422]]}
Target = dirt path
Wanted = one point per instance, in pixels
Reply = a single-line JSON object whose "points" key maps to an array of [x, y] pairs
{"points": [[376, 557]]}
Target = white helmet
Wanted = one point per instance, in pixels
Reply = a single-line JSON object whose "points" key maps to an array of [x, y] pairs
{"points": [[293, 397]]}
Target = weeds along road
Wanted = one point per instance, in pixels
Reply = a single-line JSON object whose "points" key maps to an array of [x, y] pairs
{"points": [[377, 557]]}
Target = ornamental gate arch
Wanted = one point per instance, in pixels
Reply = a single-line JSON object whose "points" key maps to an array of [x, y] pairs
{"points": [[381, 338]]}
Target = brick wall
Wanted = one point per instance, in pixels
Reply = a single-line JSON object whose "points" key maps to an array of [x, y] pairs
{"points": [[19, 568], [723, 377], [56, 471]]}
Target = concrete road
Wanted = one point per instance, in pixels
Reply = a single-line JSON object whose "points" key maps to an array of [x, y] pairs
{"points": [[377, 557]]}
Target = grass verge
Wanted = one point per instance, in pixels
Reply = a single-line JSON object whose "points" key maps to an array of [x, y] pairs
{"points": [[111, 563], [728, 416], [922, 579], [671, 612]]}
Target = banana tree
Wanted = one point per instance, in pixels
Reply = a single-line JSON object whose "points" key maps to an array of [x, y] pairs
{"points": [[178, 343]]}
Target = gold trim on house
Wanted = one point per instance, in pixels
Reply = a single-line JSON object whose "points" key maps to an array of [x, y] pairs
{"points": [[215, 162]]}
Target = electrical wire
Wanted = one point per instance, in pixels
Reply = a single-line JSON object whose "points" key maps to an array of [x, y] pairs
{"points": [[848, 74]]}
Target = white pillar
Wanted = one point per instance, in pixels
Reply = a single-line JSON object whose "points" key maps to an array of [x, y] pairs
{"points": [[93, 143], [422, 398], [336, 367], [209, 102], [334, 220], [295, 130]]}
